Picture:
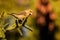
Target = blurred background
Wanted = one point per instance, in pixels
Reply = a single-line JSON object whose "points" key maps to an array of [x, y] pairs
{"points": [[15, 6]]}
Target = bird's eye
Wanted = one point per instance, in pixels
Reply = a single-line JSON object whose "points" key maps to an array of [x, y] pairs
{"points": [[30, 13]]}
